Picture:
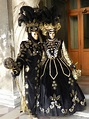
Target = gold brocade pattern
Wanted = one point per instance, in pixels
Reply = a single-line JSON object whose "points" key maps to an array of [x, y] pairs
{"points": [[54, 103], [65, 55]]}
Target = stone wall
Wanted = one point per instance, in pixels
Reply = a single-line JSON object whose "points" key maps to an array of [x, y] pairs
{"points": [[9, 95]]}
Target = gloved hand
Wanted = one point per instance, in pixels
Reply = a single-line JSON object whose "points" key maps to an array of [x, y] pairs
{"points": [[14, 73], [73, 66]]}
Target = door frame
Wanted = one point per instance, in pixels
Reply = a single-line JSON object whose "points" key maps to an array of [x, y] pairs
{"points": [[77, 54], [82, 50], [74, 53]]}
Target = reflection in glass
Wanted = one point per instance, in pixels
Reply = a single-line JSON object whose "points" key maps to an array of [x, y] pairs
{"points": [[73, 4], [74, 32], [84, 3], [86, 30]]}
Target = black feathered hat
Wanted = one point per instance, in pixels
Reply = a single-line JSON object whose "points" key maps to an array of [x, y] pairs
{"points": [[28, 16], [50, 20]]}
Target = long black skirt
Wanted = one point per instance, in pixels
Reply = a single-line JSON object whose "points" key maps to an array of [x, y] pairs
{"points": [[59, 92]]}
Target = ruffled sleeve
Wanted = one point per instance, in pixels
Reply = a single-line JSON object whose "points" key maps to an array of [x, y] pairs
{"points": [[65, 55]]}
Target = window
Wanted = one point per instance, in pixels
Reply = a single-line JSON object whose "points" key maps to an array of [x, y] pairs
{"points": [[74, 32], [84, 3], [73, 4], [86, 30]]}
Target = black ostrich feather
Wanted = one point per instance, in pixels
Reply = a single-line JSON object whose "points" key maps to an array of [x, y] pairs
{"points": [[27, 15], [28, 11], [44, 15], [55, 15], [22, 19]]}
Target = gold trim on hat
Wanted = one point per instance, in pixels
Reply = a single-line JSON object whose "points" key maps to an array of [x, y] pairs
{"points": [[47, 27]]}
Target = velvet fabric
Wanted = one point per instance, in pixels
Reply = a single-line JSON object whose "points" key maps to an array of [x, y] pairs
{"points": [[50, 89], [29, 59], [60, 93]]}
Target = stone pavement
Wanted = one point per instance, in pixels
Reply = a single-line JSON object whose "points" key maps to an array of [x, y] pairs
{"points": [[13, 113]]}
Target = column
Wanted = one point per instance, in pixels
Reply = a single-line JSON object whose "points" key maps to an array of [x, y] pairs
{"points": [[9, 94]]}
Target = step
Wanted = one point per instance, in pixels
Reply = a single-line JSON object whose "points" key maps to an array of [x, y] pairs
{"points": [[83, 82]]}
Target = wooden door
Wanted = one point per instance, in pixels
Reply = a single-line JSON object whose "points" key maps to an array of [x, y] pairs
{"points": [[78, 36], [84, 49]]}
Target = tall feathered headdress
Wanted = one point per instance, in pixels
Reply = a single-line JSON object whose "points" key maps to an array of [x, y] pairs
{"points": [[28, 16], [49, 19]]}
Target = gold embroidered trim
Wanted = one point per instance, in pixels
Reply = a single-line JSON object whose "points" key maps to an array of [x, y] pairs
{"points": [[44, 68], [50, 69], [62, 68]]}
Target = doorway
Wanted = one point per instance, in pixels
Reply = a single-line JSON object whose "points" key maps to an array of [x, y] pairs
{"points": [[78, 33]]}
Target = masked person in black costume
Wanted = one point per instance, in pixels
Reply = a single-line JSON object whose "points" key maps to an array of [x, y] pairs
{"points": [[60, 94], [29, 57]]}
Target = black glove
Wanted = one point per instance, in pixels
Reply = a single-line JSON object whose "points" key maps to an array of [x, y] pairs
{"points": [[73, 66], [14, 73]]}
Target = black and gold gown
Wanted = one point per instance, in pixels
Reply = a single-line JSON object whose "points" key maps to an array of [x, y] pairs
{"points": [[29, 59], [59, 92]]}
